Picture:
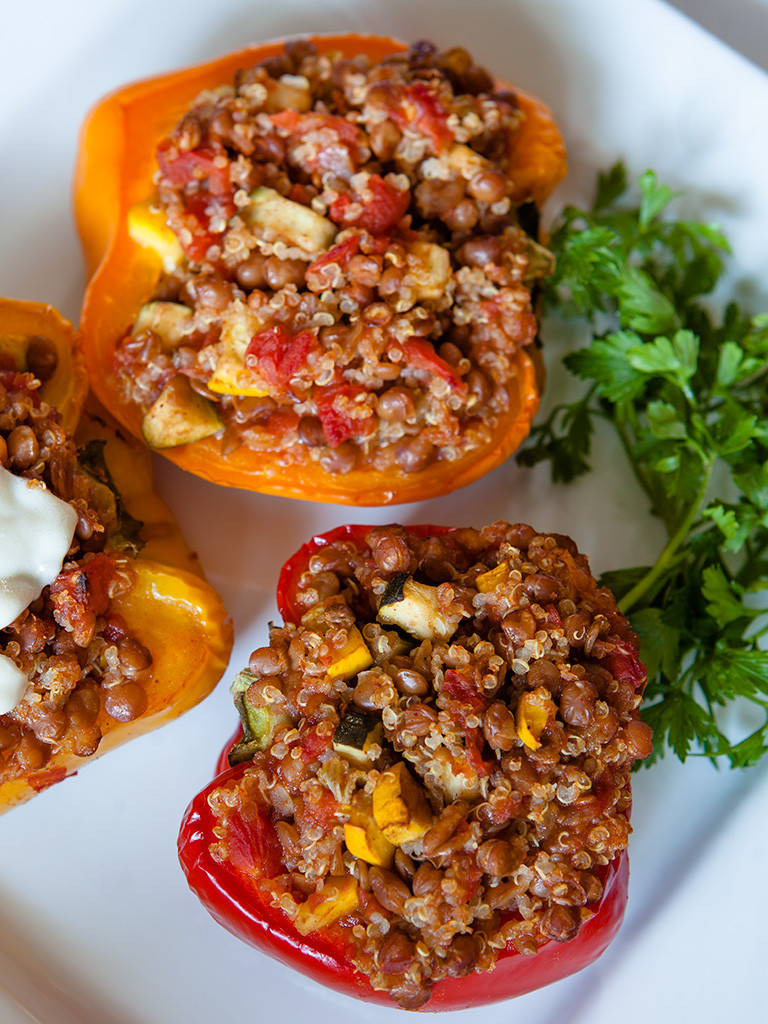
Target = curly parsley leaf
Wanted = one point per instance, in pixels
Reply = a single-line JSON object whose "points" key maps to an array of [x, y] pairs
{"points": [[687, 394]]}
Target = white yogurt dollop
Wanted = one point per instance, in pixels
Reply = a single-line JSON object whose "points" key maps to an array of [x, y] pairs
{"points": [[36, 530]]}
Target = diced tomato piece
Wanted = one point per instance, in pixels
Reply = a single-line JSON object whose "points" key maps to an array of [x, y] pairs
{"points": [[279, 355], [14, 380], [339, 140], [625, 665], [420, 108], [194, 165], [500, 811], [340, 412], [287, 120], [462, 689], [473, 744], [295, 124], [603, 788], [313, 744], [379, 209], [211, 198], [253, 844], [299, 193], [321, 810], [81, 593], [199, 209], [87, 583], [420, 354], [340, 254]]}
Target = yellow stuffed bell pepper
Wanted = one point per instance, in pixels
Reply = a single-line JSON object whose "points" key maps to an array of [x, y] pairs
{"points": [[108, 627]]}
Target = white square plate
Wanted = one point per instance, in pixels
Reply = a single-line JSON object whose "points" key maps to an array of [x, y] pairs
{"points": [[96, 922]]}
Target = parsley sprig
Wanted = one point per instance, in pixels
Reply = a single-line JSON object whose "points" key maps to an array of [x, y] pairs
{"points": [[686, 390]]}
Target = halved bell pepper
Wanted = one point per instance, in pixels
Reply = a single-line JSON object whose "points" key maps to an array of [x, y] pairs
{"points": [[229, 890], [169, 608], [229, 853], [114, 177]]}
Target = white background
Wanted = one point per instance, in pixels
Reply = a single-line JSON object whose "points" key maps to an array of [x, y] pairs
{"points": [[96, 922]]}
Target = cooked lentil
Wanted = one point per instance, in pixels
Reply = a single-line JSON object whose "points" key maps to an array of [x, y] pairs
{"points": [[352, 258], [490, 785], [78, 659]]}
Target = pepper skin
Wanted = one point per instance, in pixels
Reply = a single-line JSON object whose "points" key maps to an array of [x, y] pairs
{"points": [[66, 389], [229, 887], [170, 607], [114, 171], [229, 892]]}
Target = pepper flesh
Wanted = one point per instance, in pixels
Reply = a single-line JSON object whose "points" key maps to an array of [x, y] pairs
{"points": [[229, 887], [170, 607], [66, 389], [229, 892], [114, 173]]}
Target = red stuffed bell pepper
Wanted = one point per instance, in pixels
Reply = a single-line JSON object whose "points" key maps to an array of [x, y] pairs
{"points": [[432, 780], [120, 632], [316, 280]]}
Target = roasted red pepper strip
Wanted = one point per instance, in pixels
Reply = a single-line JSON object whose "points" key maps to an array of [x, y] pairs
{"points": [[115, 172], [229, 885], [169, 608]]}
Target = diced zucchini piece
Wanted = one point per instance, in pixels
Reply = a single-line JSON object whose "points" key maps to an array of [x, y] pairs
{"points": [[179, 416], [293, 223], [170, 321], [259, 723], [415, 608], [231, 376], [337, 898], [429, 268], [148, 228], [400, 807], [355, 734]]}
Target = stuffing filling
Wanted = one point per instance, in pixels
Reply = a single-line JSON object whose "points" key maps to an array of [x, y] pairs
{"points": [[348, 264], [440, 737], [78, 659]]}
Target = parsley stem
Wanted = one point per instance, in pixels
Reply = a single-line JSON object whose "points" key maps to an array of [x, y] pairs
{"points": [[619, 418], [668, 556]]}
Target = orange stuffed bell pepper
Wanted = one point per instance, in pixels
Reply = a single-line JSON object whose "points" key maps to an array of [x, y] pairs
{"points": [[313, 266], [429, 799], [108, 628]]}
